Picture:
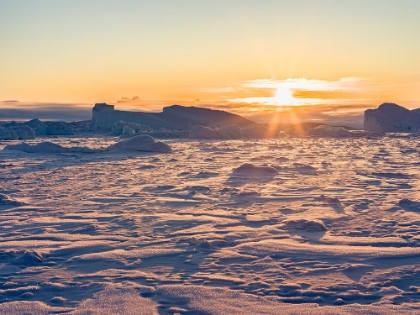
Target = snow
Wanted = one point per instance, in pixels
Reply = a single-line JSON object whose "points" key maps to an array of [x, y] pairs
{"points": [[142, 143], [45, 147], [251, 168], [291, 226]]}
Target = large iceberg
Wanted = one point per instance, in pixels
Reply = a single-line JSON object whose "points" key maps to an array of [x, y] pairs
{"points": [[175, 117], [390, 117]]}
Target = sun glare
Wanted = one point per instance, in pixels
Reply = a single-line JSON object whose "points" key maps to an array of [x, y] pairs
{"points": [[284, 92], [284, 96], [302, 91]]}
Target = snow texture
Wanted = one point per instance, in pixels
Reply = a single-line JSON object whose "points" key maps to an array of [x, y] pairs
{"points": [[269, 226]]}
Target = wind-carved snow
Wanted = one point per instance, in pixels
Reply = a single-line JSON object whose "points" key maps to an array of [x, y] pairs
{"points": [[142, 143], [308, 226]]}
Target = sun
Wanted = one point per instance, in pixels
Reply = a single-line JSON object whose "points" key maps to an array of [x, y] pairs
{"points": [[284, 93], [283, 96]]}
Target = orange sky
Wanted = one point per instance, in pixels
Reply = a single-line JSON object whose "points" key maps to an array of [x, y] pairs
{"points": [[238, 55]]}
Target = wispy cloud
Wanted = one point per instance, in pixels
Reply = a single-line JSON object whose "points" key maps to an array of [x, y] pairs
{"points": [[15, 110]]}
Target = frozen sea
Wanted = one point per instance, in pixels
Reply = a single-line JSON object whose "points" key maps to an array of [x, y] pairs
{"points": [[280, 226]]}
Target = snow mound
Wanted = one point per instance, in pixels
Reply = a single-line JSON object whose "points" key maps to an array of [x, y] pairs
{"points": [[306, 225], [115, 300], [144, 143], [28, 258], [357, 267], [408, 204], [329, 200], [7, 201], [251, 168], [46, 147], [299, 167]]}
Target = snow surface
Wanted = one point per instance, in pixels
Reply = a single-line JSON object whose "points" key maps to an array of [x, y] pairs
{"points": [[286, 226]]}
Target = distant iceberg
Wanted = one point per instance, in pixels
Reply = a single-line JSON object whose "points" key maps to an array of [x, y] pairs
{"points": [[390, 117]]}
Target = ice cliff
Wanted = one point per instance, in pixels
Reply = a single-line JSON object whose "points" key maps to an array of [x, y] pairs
{"points": [[175, 117], [390, 117], [16, 132]]}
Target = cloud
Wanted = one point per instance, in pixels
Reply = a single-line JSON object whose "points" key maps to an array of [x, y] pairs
{"points": [[334, 94], [45, 111]]}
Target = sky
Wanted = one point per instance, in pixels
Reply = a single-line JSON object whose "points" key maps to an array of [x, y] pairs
{"points": [[246, 56]]}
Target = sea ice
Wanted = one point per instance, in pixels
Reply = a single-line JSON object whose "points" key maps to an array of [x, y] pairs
{"points": [[255, 169], [216, 227]]}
